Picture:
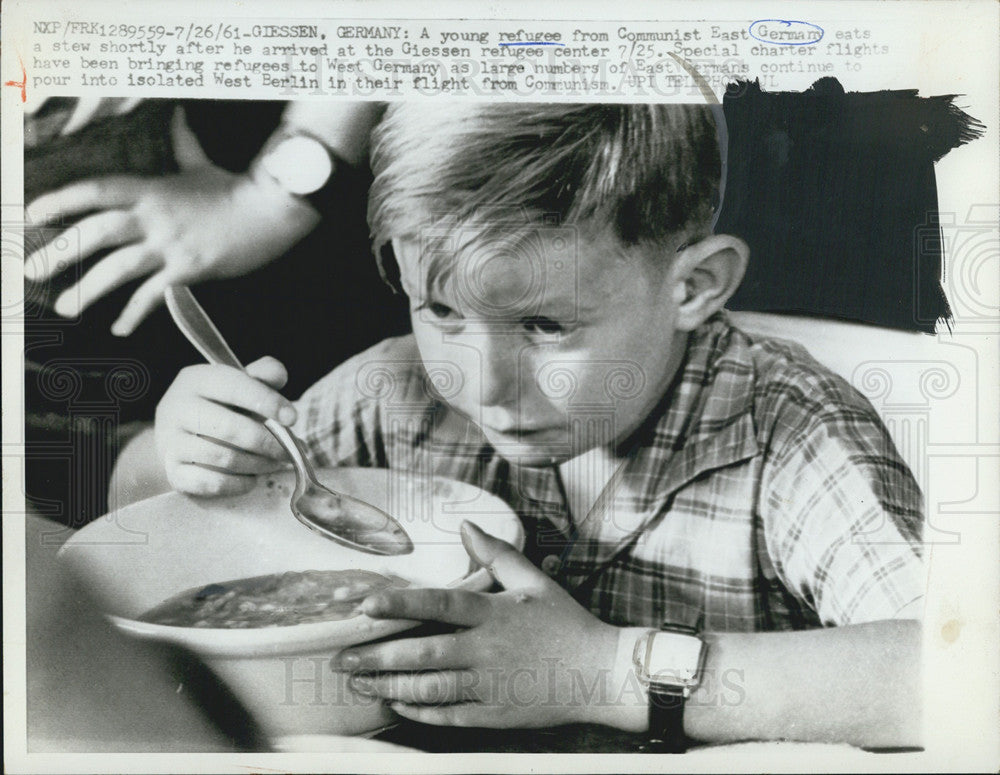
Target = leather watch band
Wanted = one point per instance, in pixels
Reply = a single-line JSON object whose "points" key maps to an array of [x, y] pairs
{"points": [[666, 720]]}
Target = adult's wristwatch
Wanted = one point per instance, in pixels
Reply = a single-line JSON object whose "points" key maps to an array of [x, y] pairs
{"points": [[669, 662], [301, 164]]}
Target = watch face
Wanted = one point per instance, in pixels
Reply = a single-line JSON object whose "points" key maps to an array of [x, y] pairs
{"points": [[673, 658], [300, 164]]}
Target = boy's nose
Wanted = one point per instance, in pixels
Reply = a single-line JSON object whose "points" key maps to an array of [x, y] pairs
{"points": [[498, 365]]}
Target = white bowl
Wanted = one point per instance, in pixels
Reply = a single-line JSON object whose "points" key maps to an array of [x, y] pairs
{"points": [[135, 558]]}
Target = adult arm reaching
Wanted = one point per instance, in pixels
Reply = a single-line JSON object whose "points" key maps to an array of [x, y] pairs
{"points": [[200, 223]]}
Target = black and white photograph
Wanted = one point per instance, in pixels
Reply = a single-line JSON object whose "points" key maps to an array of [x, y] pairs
{"points": [[382, 384]]}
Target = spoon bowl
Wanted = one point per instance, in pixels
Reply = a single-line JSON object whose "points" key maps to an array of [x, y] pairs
{"points": [[338, 516]]}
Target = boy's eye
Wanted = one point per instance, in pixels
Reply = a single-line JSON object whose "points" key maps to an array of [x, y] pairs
{"points": [[439, 310], [542, 325]]}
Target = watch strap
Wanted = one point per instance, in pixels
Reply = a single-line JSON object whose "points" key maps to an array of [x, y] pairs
{"points": [[666, 720]]}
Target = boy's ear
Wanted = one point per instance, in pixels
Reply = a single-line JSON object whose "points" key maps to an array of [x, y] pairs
{"points": [[708, 272]]}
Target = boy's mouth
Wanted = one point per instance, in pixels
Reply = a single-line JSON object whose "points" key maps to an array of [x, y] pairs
{"points": [[518, 432]]}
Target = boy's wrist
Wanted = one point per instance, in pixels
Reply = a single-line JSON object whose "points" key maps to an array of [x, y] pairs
{"points": [[624, 703], [627, 700]]}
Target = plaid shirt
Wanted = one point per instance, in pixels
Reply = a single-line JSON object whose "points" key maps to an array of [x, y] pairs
{"points": [[763, 493]]}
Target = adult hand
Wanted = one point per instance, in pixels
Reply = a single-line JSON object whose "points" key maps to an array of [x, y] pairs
{"points": [[530, 656], [201, 223]]}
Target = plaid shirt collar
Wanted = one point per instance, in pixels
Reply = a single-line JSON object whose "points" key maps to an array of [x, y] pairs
{"points": [[705, 419], [703, 422]]}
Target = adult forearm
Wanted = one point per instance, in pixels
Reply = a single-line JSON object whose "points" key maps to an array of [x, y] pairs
{"points": [[343, 126]]}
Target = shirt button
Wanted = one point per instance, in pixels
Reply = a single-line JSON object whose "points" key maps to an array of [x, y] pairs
{"points": [[551, 565]]}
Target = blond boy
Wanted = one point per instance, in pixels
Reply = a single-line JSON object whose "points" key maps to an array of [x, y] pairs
{"points": [[570, 354]]}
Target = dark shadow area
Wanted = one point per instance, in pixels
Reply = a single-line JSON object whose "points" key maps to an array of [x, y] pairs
{"points": [[836, 196]]}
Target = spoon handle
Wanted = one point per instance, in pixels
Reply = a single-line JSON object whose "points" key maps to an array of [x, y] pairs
{"points": [[198, 327], [293, 446]]}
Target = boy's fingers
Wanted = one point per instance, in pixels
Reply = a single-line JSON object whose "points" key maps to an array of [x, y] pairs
{"points": [[220, 423], [419, 688], [232, 387], [508, 566], [451, 606], [270, 371], [195, 480], [222, 457], [427, 653]]}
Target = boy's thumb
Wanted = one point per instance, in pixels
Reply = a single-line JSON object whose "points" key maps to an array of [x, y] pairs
{"points": [[508, 566]]}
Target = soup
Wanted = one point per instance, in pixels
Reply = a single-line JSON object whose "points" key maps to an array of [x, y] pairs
{"points": [[276, 600]]}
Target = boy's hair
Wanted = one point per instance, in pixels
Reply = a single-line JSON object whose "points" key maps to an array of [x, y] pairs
{"points": [[650, 172]]}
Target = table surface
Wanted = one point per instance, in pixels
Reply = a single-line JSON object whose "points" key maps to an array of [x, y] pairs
{"points": [[591, 738], [574, 738]]}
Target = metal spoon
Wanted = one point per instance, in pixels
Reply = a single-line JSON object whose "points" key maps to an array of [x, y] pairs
{"points": [[339, 517]]}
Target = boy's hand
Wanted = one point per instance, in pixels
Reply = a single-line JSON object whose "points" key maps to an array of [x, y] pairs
{"points": [[529, 657], [209, 431]]}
